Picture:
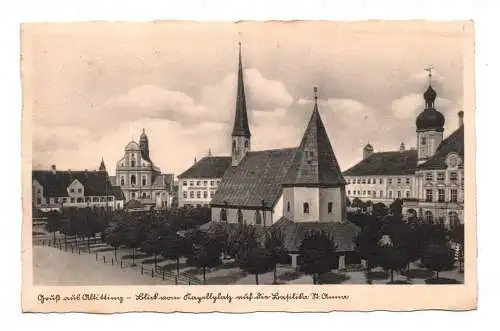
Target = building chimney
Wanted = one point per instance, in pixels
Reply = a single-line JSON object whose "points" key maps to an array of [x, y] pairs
{"points": [[460, 118], [402, 147], [53, 168]]}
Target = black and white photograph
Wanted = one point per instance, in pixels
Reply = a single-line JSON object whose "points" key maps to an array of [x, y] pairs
{"points": [[248, 153]]}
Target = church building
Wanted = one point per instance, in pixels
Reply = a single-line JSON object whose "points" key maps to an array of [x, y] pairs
{"points": [[140, 179], [429, 179], [296, 189]]}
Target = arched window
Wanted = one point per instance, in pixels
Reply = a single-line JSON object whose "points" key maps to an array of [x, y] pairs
{"points": [[223, 215], [423, 141], [132, 195], [240, 216], [258, 217], [453, 219], [144, 195], [144, 182], [122, 180], [330, 207], [133, 180], [288, 206], [306, 208], [428, 216]]}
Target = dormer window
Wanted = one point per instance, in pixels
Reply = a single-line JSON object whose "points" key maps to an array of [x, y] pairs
{"points": [[79, 190], [309, 156], [72, 190]]}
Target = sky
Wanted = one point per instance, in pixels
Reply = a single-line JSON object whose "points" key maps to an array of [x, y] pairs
{"points": [[91, 88]]}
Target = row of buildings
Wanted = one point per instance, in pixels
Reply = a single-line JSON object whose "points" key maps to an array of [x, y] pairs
{"points": [[296, 188]]}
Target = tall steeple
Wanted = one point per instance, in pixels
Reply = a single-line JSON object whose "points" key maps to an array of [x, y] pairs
{"points": [[241, 132]]}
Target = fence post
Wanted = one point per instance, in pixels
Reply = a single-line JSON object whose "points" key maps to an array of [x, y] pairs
{"points": [[121, 263], [96, 256], [163, 274], [112, 261], [152, 272], [142, 270], [104, 258]]}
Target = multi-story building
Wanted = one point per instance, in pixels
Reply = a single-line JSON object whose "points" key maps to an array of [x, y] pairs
{"points": [[198, 184], [429, 179], [54, 189], [140, 179]]}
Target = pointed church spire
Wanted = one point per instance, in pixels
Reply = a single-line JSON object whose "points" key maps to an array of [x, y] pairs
{"points": [[195, 160], [315, 164], [209, 152], [240, 127], [102, 167]]}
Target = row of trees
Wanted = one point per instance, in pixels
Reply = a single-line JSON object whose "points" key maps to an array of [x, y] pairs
{"points": [[393, 244]]}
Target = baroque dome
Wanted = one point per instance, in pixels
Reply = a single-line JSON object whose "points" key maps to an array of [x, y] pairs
{"points": [[132, 146]]}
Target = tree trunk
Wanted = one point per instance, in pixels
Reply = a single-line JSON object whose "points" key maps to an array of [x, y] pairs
{"points": [[204, 276], [179, 266], [65, 242], [275, 275], [88, 244], [256, 279], [156, 260], [437, 275], [392, 276], [314, 279], [133, 255], [116, 249], [54, 239]]}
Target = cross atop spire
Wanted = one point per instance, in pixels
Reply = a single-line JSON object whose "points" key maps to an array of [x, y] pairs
{"points": [[209, 152]]}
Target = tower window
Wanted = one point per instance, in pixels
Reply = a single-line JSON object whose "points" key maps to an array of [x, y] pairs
{"points": [[330, 207], [144, 195], [234, 145], [407, 194], [223, 215], [423, 141], [288, 206], [429, 176], [246, 143], [428, 195], [133, 180], [132, 163], [122, 180], [306, 208], [143, 180]]}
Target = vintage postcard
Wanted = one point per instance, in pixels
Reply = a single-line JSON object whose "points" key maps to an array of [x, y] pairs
{"points": [[253, 166]]}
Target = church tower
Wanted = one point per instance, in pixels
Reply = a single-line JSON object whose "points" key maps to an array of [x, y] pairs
{"points": [[102, 166], [430, 126], [240, 138], [144, 146], [314, 190]]}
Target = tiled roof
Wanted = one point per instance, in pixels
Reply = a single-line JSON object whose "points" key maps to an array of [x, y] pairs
{"points": [[294, 232], [208, 167], [95, 183], [315, 163], [453, 143], [259, 176], [385, 163]]}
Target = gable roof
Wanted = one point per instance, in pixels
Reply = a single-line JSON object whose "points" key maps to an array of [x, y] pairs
{"points": [[315, 163], [95, 183], [385, 163], [259, 176], [343, 233], [454, 143], [208, 167]]}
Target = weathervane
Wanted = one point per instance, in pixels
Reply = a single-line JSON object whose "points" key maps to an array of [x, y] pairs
{"points": [[315, 89]]}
